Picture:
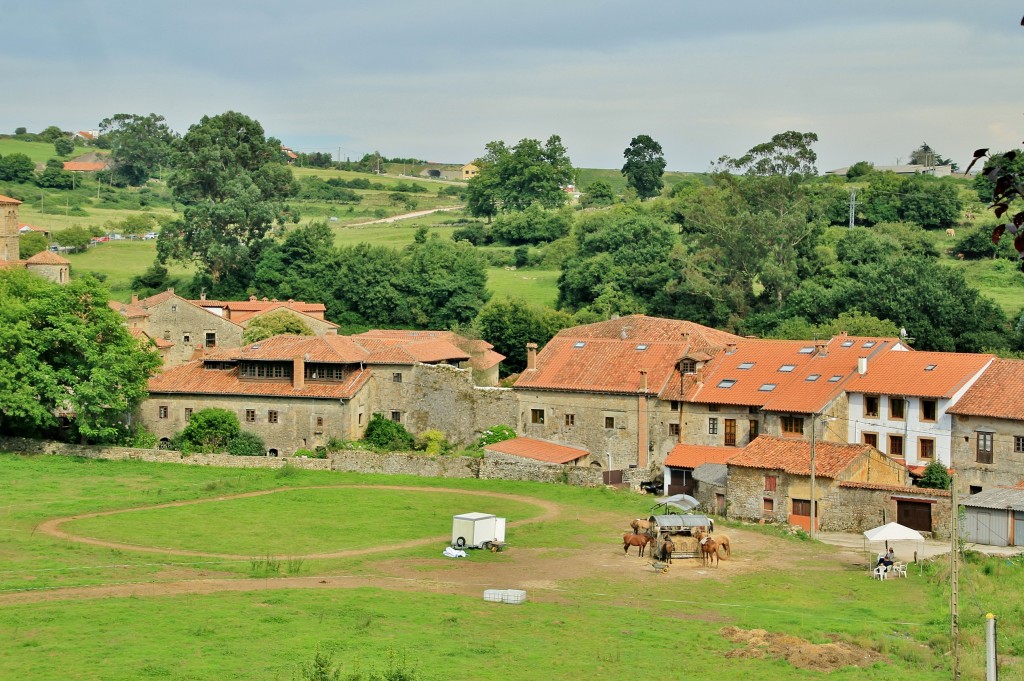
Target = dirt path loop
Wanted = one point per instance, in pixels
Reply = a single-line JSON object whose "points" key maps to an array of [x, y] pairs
{"points": [[551, 511], [403, 216]]}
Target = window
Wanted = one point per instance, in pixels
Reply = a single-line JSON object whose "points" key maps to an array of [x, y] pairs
{"points": [[1018, 443], [359, 419], [812, 377], [754, 430], [162, 409], [674, 405], [320, 422], [174, 308], [730, 432], [570, 419], [537, 416], [806, 350], [895, 445], [250, 415], [726, 383], [871, 405], [897, 408], [673, 429], [712, 407], [712, 426], [186, 339], [792, 425], [579, 344], [768, 505], [396, 377], [320, 372], [929, 410], [767, 387], [211, 339], [167, 334], [835, 379], [930, 367], [787, 368], [396, 416], [847, 344], [753, 410], [868, 344], [870, 439], [771, 483], [272, 416], [746, 365], [688, 366], [925, 448], [641, 347], [188, 414], [609, 421], [975, 489], [984, 447]]}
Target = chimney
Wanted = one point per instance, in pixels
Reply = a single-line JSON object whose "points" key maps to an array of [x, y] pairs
{"points": [[298, 373], [862, 365], [821, 348], [531, 356], [202, 294], [135, 299], [699, 378], [643, 380], [730, 348], [252, 299]]}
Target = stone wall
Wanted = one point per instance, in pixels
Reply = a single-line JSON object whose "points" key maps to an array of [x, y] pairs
{"points": [[1007, 464], [856, 509], [186, 325]]}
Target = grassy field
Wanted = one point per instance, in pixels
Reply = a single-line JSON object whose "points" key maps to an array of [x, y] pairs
{"points": [[157, 616], [39, 152], [539, 287], [119, 261]]}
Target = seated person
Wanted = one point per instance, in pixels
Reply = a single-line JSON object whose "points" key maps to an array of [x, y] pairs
{"points": [[888, 559]]}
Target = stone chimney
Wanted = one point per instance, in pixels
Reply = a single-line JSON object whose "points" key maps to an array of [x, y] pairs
{"points": [[299, 373], [821, 348], [862, 365], [730, 348], [252, 299], [202, 294], [135, 299], [643, 380], [531, 356]]}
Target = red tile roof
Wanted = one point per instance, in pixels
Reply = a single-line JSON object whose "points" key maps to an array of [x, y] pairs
{"points": [[905, 489], [538, 450], [129, 310], [691, 456], [7, 199], [160, 343], [919, 374], [47, 258], [996, 394], [641, 328], [84, 166], [193, 379], [239, 317], [794, 456], [329, 349], [480, 353], [261, 305]]}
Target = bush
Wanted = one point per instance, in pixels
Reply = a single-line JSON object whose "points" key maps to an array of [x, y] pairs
{"points": [[308, 453], [388, 435], [209, 430], [247, 444], [433, 442], [935, 476], [495, 434]]}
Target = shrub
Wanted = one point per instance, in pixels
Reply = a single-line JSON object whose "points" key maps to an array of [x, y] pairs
{"points": [[247, 444], [935, 476], [209, 430], [308, 453], [382, 433], [495, 434], [433, 442]]}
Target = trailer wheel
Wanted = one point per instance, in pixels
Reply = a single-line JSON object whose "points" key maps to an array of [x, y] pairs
{"points": [[460, 543]]}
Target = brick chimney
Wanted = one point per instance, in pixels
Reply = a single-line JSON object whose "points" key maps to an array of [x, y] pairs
{"points": [[135, 299], [299, 373], [643, 380], [821, 348], [531, 356]]}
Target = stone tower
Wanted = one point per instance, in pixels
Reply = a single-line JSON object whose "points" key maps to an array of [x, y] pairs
{"points": [[8, 229]]}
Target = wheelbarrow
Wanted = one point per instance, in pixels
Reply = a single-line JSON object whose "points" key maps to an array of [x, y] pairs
{"points": [[659, 567]]}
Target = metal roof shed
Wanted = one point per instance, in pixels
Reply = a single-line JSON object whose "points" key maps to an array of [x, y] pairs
{"points": [[995, 517]]}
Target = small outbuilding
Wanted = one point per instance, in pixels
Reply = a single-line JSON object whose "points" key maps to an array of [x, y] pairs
{"points": [[995, 517]]}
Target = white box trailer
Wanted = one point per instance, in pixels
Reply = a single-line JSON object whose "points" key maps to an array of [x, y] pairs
{"points": [[477, 530]]}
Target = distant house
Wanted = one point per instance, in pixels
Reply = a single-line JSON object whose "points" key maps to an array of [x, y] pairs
{"points": [[26, 229], [46, 264], [289, 155], [469, 171], [87, 135], [907, 169]]}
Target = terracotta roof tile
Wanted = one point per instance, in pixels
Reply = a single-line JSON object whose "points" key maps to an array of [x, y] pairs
{"points": [[917, 491], [641, 328], [129, 310], [84, 166], [7, 199], [239, 317], [158, 342], [330, 349], [415, 346], [691, 456], [919, 374], [193, 379], [996, 394], [538, 450], [794, 456], [47, 258], [260, 305]]}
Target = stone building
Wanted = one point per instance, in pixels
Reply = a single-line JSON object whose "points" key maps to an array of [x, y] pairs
{"points": [[400, 347], [45, 264], [296, 392], [524, 448], [988, 429], [179, 321]]}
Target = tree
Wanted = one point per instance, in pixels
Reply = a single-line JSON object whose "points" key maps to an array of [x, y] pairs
{"points": [[388, 435], [859, 170], [927, 201], [924, 155], [50, 134], [55, 178], [645, 164], [31, 243], [63, 146], [512, 179], [67, 358], [233, 184], [935, 476], [787, 153], [274, 324], [247, 444], [509, 324], [444, 283], [76, 238], [139, 145], [209, 430], [21, 131], [598, 193], [152, 280], [17, 167], [532, 226]]}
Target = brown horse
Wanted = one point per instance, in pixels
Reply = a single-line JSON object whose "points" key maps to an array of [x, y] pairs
{"points": [[638, 540], [709, 551], [667, 549], [641, 526], [722, 540]]}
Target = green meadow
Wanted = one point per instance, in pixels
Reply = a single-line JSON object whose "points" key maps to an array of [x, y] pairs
{"points": [[591, 612]]}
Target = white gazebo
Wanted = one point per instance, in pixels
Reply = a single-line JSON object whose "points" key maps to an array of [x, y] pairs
{"points": [[890, 534]]}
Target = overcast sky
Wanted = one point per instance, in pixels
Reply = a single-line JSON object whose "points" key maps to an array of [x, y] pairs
{"points": [[438, 80]]}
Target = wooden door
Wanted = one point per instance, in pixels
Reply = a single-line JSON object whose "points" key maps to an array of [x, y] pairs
{"points": [[801, 515], [720, 507], [915, 515], [730, 432]]}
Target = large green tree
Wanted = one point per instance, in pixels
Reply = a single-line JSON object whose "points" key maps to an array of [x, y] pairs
{"points": [[233, 184], [274, 324], [65, 354], [786, 153], [513, 178], [16, 167], [139, 145], [509, 324], [645, 164]]}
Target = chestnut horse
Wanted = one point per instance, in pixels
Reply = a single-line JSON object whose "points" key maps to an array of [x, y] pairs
{"points": [[641, 526], [638, 540], [709, 550], [724, 546], [667, 548]]}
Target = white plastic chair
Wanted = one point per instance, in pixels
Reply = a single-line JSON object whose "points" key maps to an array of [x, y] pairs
{"points": [[879, 572], [899, 569]]}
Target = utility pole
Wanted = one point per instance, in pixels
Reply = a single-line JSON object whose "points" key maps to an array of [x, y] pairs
{"points": [[991, 668], [954, 576], [814, 504], [853, 205]]}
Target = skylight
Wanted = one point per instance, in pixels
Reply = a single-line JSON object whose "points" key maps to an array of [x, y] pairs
{"points": [[578, 344], [847, 344], [813, 377], [806, 351], [835, 379], [746, 365], [726, 383], [786, 368], [869, 344], [767, 387], [641, 347], [930, 367]]}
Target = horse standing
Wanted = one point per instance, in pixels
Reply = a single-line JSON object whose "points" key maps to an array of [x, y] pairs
{"points": [[638, 540], [709, 550], [641, 526], [667, 548], [722, 540]]}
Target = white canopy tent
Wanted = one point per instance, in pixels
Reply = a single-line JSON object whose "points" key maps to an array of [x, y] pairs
{"points": [[888, 535]]}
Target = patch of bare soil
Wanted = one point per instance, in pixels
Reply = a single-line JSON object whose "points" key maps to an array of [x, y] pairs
{"points": [[821, 657]]}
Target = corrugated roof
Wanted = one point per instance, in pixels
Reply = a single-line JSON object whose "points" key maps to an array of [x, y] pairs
{"points": [[918, 374], [996, 394], [922, 492], [794, 456], [538, 450], [193, 379], [998, 498], [692, 456], [711, 473]]}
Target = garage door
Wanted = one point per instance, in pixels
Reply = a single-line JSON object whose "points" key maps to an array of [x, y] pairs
{"points": [[915, 515], [1018, 528]]}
